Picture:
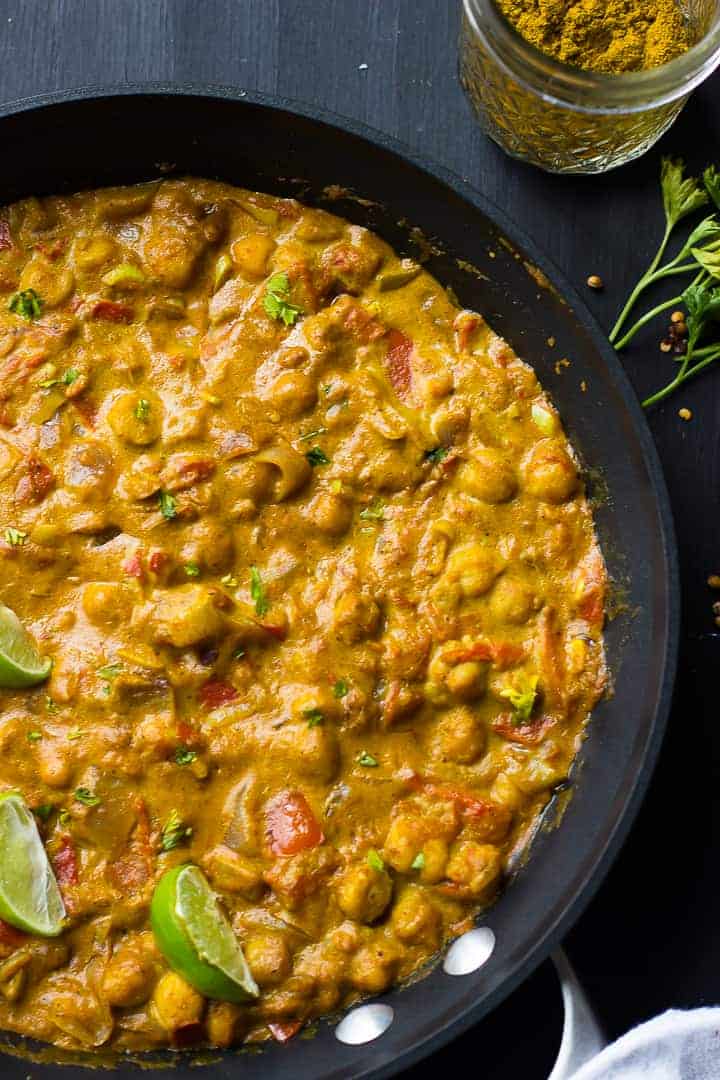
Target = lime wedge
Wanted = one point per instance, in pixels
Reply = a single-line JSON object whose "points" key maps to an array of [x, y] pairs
{"points": [[196, 938], [20, 662], [29, 895]]}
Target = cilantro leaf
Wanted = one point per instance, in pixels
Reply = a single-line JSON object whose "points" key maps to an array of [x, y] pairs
{"points": [[257, 592], [341, 689], [522, 696], [27, 304], [366, 759], [167, 504], [418, 862], [314, 717], [711, 179], [316, 456], [436, 455], [191, 569], [374, 512], [681, 195], [277, 300], [374, 859], [174, 832], [142, 410], [86, 797], [14, 537], [184, 756]]}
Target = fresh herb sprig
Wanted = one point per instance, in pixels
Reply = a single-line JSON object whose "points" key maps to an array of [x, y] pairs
{"points": [[703, 308], [681, 196]]}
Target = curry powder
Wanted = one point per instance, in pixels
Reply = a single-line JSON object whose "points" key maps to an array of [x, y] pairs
{"points": [[610, 36]]}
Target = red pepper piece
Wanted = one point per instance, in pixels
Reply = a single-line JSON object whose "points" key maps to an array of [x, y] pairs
{"points": [[65, 863], [291, 824], [111, 311], [283, 1032], [215, 693], [397, 362]]}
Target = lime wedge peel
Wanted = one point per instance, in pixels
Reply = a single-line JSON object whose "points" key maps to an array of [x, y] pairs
{"points": [[196, 938], [29, 895], [20, 662]]}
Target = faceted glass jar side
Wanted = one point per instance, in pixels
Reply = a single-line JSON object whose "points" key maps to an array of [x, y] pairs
{"points": [[566, 120]]}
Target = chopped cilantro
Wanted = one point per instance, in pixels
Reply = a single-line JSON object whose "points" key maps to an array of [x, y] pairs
{"points": [[142, 410], [50, 705], [418, 862], [65, 818], [87, 797], [374, 859], [14, 537], [27, 304], [34, 736], [522, 696], [109, 672], [191, 569], [174, 832], [367, 760], [184, 756], [43, 811], [230, 581], [167, 504], [374, 512], [237, 654], [257, 592], [76, 733], [314, 717], [341, 689], [69, 377], [277, 300], [436, 455], [316, 456]]}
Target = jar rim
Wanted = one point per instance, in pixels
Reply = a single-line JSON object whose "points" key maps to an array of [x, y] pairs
{"points": [[592, 91]]}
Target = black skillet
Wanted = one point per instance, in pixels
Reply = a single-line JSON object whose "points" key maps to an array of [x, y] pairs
{"points": [[66, 142]]}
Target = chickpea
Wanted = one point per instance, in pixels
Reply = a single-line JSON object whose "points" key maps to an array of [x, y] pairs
{"points": [[293, 393], [250, 254], [468, 680], [364, 892], [459, 736], [356, 616], [404, 839], [474, 567], [136, 417], [311, 752], [176, 1003], [268, 958], [232, 872], [550, 473], [105, 603], [450, 420], [476, 866], [435, 857], [373, 967], [488, 476], [330, 513], [129, 975], [209, 544], [185, 616], [512, 601], [249, 480], [53, 763], [223, 1021], [93, 252], [506, 792], [415, 920]]}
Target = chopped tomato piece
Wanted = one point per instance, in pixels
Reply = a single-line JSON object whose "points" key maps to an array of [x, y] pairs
{"points": [[500, 653], [5, 238], [158, 561], [397, 361], [525, 734], [291, 824], [65, 863], [471, 805], [9, 936], [36, 483], [187, 734], [111, 311], [133, 567], [87, 409], [284, 1031], [215, 693], [592, 606]]}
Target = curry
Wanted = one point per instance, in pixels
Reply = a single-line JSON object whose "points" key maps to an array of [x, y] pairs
{"points": [[311, 556]]}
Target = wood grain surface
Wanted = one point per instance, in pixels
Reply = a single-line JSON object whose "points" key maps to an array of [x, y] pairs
{"points": [[646, 941]]}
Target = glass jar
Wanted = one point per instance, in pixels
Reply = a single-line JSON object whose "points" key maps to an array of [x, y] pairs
{"points": [[567, 120]]}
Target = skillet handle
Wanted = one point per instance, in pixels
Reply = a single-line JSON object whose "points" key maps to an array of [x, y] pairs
{"points": [[582, 1036]]}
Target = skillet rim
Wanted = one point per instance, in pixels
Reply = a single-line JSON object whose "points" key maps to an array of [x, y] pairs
{"points": [[613, 842]]}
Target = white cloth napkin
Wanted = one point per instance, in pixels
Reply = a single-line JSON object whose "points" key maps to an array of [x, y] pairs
{"points": [[676, 1045]]}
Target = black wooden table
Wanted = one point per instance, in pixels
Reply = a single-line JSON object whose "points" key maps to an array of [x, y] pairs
{"points": [[647, 941]]}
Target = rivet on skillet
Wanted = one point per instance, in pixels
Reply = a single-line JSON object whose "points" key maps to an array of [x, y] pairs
{"points": [[470, 951], [364, 1024]]}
